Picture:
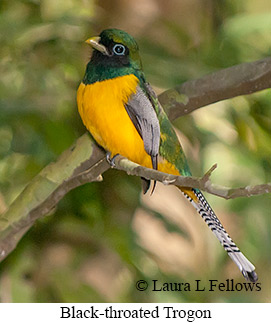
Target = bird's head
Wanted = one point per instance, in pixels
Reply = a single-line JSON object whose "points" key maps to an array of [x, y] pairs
{"points": [[115, 48]]}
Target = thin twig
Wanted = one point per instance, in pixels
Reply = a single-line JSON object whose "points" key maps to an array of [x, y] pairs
{"points": [[203, 183]]}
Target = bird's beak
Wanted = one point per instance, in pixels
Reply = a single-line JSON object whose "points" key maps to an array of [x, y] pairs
{"points": [[94, 43]]}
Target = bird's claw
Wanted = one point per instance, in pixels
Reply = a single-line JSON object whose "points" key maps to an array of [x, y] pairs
{"points": [[111, 161]]}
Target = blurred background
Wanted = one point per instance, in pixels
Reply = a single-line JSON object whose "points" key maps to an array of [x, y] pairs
{"points": [[103, 237]]}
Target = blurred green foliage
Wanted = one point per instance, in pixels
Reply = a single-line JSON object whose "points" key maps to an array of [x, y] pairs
{"points": [[87, 250]]}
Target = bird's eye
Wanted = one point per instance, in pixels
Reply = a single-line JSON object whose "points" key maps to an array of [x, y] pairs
{"points": [[119, 49]]}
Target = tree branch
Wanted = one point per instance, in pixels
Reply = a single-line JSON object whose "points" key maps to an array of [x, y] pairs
{"points": [[237, 80], [82, 163], [85, 162], [203, 183]]}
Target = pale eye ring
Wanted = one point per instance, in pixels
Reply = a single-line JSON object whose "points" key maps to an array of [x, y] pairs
{"points": [[119, 49]]}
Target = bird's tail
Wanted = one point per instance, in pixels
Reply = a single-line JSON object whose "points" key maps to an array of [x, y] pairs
{"points": [[199, 202]]}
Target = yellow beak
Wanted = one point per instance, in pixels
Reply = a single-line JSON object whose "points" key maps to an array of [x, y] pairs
{"points": [[94, 43]]}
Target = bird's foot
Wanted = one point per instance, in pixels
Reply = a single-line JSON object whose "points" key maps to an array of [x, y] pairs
{"points": [[111, 161]]}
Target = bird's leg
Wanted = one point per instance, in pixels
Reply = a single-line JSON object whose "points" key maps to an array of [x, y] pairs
{"points": [[110, 160]]}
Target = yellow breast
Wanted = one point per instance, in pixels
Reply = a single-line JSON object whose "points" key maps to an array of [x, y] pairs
{"points": [[102, 108]]}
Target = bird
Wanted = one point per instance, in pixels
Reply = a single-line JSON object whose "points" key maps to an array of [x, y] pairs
{"points": [[123, 114]]}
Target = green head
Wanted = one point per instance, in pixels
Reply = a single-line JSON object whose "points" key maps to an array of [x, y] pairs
{"points": [[115, 53]]}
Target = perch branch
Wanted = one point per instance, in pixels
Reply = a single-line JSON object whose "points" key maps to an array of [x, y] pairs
{"points": [[202, 183], [82, 163]]}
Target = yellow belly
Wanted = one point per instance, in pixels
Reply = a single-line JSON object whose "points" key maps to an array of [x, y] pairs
{"points": [[101, 107]]}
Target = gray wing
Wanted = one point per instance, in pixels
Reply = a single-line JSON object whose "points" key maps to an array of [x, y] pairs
{"points": [[144, 118]]}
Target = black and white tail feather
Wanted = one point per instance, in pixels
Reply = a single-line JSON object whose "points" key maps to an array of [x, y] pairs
{"points": [[208, 215]]}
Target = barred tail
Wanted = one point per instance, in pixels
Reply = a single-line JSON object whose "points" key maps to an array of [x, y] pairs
{"points": [[199, 202]]}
